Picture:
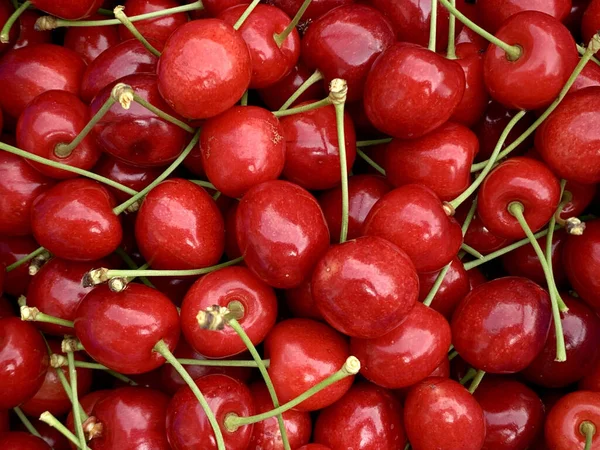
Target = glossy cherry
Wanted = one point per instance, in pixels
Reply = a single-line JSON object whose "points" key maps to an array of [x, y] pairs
{"points": [[216, 7], [314, 447], [12, 249], [68, 9], [493, 13], [589, 76], [28, 34], [478, 236], [452, 290], [277, 94], [563, 422], [6, 10], [301, 303], [316, 9], [590, 22], [20, 440], [158, 29], [52, 437], [90, 42]]}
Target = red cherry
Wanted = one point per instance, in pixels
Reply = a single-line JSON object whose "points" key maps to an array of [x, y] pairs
{"points": [[90, 42], [589, 76], [412, 217], [477, 235], [13, 249], [28, 34], [301, 303], [316, 9], [232, 250], [216, 7], [281, 232], [204, 85], [6, 307], [476, 278], [502, 325], [68, 9], [74, 220], [187, 424], [158, 29], [314, 447], [50, 435], [23, 362], [442, 370], [19, 440], [563, 422], [440, 413], [493, 13], [367, 417], [303, 353], [277, 94], [6, 10], [468, 36], [590, 22], [121, 329], [582, 196], [407, 74], [87, 402]]}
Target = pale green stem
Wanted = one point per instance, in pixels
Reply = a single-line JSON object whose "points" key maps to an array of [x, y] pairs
{"points": [[280, 37], [304, 108], [451, 51], [5, 33], [437, 284], [471, 251], [163, 115], [314, 78], [476, 381], [132, 265], [244, 100], [245, 14], [433, 25], [25, 421], [370, 162], [25, 259], [550, 237], [373, 142], [49, 419]]}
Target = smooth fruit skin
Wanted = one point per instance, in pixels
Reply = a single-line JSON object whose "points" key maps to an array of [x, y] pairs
{"points": [[493, 13], [563, 420], [591, 20], [277, 94], [301, 303], [74, 220], [452, 290], [589, 76], [204, 69], [281, 232], [121, 329], [90, 42], [316, 9], [440, 413], [568, 141], [367, 417], [314, 447], [502, 325], [158, 29], [20, 440], [134, 177], [303, 353], [68, 9], [411, 91], [28, 35], [12, 249], [546, 43], [408, 353], [23, 361], [478, 236], [369, 277], [179, 227]]}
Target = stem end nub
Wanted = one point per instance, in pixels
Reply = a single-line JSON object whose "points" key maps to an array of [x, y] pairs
{"points": [[448, 209], [338, 91], [29, 314], [117, 284], [574, 226], [213, 318], [70, 344], [92, 428], [123, 94], [46, 23], [352, 365], [95, 277], [594, 44], [57, 360]]}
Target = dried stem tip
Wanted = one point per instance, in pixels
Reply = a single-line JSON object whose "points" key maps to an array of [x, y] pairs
{"points": [[46, 23], [352, 365], [70, 345], [574, 226], [448, 209], [57, 360], [29, 314], [594, 44], [123, 94], [213, 318], [117, 284], [338, 91], [95, 277], [92, 428]]}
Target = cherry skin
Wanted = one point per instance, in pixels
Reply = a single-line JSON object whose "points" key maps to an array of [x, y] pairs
{"points": [[216, 7], [316, 9], [562, 429], [589, 76], [370, 277], [440, 160], [303, 353], [158, 29], [407, 74], [27, 72], [74, 220], [28, 34], [179, 227], [440, 413], [51, 436], [301, 303], [23, 361], [69, 9], [412, 217], [493, 13], [277, 94], [203, 86], [590, 22], [90, 42], [281, 232], [20, 440], [591, 381], [502, 325], [514, 414], [408, 353], [314, 447], [6, 307], [478, 236], [241, 148], [20, 184], [6, 10], [187, 425], [13, 249], [367, 417], [345, 42], [54, 118], [121, 329]]}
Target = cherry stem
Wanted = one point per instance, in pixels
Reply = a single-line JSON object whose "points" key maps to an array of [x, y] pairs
{"points": [[549, 238], [588, 429], [25, 421], [314, 78], [350, 368], [132, 265], [453, 354], [245, 14], [5, 33], [49, 419], [451, 50], [338, 91], [566, 197], [476, 381], [468, 376], [471, 251], [57, 360], [373, 142], [516, 209], [75, 400], [205, 184], [513, 52], [436, 285], [122, 17], [29, 314], [370, 162], [489, 163], [163, 349], [222, 363], [244, 99], [25, 259], [592, 48], [106, 12], [581, 49], [280, 37], [304, 108], [433, 25], [469, 218], [163, 115]]}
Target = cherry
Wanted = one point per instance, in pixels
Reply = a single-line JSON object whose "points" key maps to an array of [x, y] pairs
{"points": [[6, 307], [19, 440], [281, 232], [412, 217], [475, 99], [6, 10], [590, 22], [232, 250], [204, 85], [303, 353], [589, 76], [20, 184], [572, 418], [411, 91], [68, 9], [477, 235], [90, 42], [27, 72], [187, 424], [591, 381], [74, 220], [158, 29], [28, 34], [440, 160], [51, 436], [121, 329], [314, 447], [581, 197], [514, 414], [23, 362], [468, 36], [277, 94], [301, 303], [316, 9], [87, 403], [440, 413], [493, 13], [13, 249], [453, 289]]}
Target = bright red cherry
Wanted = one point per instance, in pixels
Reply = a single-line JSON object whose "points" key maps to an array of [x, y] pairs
{"points": [[20, 440], [216, 7], [478, 236], [589, 76], [590, 22], [158, 29], [277, 94], [28, 34], [90, 42], [13, 249], [493, 13], [69, 9], [563, 429], [452, 290]]}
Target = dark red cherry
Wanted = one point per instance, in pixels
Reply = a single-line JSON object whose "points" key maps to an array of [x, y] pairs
{"points": [[6, 10], [591, 381], [179, 227], [214, 78], [158, 29], [50, 435], [301, 303], [20, 184], [121, 329], [452, 290], [590, 22], [502, 325], [408, 353], [87, 402], [589, 76], [23, 361], [20, 440], [277, 94], [563, 422], [412, 217], [514, 414], [28, 34], [27, 72], [216, 7], [475, 99], [440, 413], [440, 160], [232, 250], [314, 447], [6, 307], [363, 192], [367, 417], [303, 353], [408, 74], [241, 148], [522, 180], [281, 232], [74, 220], [345, 42], [369, 277], [312, 156], [476, 277], [492, 14], [187, 424], [478, 236], [69, 9], [13, 249], [442, 370], [316, 9], [90, 42]]}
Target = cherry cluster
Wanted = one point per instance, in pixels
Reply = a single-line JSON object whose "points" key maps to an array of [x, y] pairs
{"points": [[299, 225]]}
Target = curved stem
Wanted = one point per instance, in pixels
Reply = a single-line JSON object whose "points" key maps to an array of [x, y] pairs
{"points": [[29, 314], [370, 162], [471, 251], [561, 304], [581, 49], [373, 142], [163, 115], [433, 25], [5, 33], [436, 285], [163, 349], [25, 421], [25, 259], [451, 51], [122, 17], [222, 363], [280, 37], [245, 14], [300, 109], [468, 376], [476, 381], [132, 265], [75, 400], [339, 90], [49, 419], [314, 78], [588, 429], [469, 218], [205, 184]]}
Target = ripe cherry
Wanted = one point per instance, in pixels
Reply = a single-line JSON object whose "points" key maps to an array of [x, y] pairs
{"points": [[477, 235], [90, 42], [13, 249], [590, 22], [493, 13], [277, 94], [316, 9], [69, 9], [159, 28], [134, 177], [475, 99], [301, 303], [20, 440], [572, 418], [29, 35], [589, 76]]}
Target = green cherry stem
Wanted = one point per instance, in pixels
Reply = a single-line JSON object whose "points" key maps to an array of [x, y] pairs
{"points": [[433, 25], [436, 285], [75, 400], [373, 142], [588, 430], [245, 14], [222, 363], [476, 381], [280, 37], [451, 50], [516, 209], [581, 49], [244, 99], [57, 361], [338, 90], [163, 115], [5, 33], [550, 238], [370, 162], [49, 419], [453, 354], [314, 78], [132, 265], [304, 108], [468, 376], [29, 314], [25, 421], [25, 259], [205, 184], [469, 218], [120, 15], [106, 12], [471, 251]]}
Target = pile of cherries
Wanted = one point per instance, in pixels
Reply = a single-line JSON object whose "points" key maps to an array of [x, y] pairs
{"points": [[299, 225]]}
